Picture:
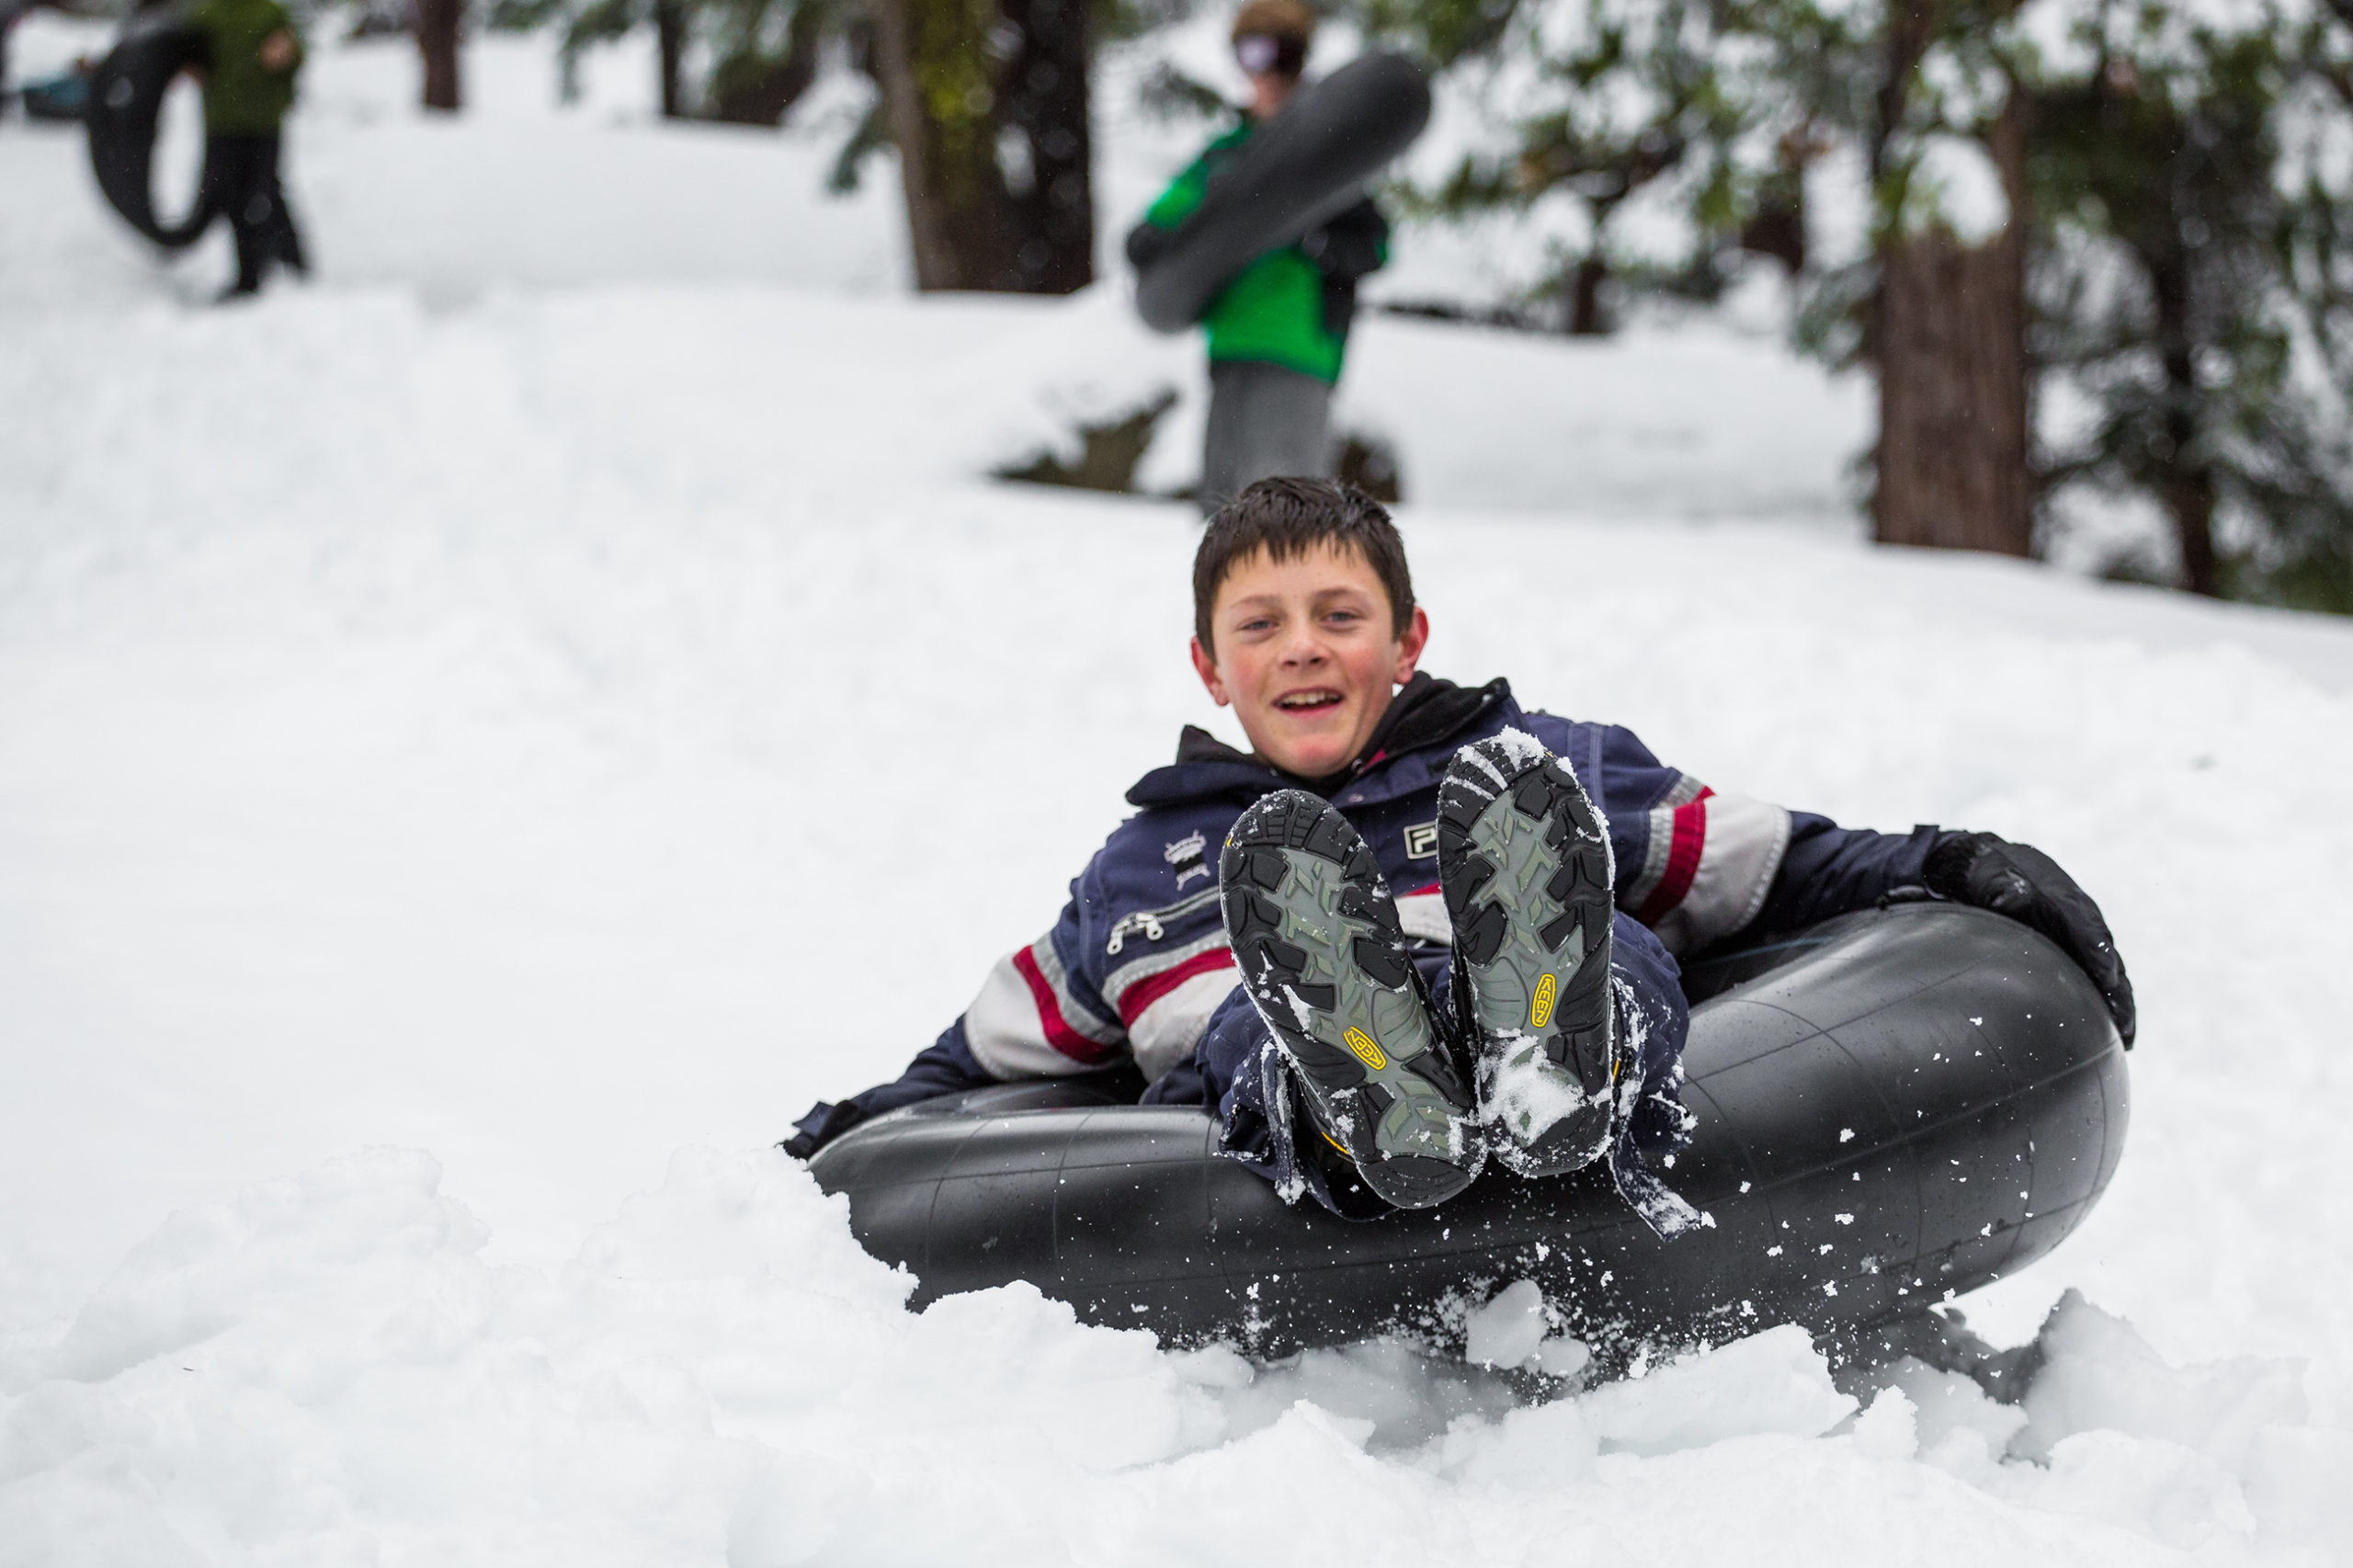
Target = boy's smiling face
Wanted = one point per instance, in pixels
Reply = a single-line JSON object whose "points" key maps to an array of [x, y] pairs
{"points": [[1307, 655]]}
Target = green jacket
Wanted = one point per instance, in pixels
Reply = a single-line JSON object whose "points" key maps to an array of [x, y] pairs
{"points": [[1284, 307], [240, 97]]}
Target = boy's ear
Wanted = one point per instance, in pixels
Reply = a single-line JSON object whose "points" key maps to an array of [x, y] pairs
{"points": [[1206, 667], [1410, 645]]}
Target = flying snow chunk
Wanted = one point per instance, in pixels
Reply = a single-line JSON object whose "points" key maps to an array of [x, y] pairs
{"points": [[1506, 1331]]}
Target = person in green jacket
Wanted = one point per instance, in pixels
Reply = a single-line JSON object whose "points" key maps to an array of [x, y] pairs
{"points": [[1279, 331], [252, 52]]}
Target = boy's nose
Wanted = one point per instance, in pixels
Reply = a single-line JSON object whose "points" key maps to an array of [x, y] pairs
{"points": [[1303, 648]]}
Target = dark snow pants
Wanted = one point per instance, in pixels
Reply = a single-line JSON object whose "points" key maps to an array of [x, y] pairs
{"points": [[241, 178]]}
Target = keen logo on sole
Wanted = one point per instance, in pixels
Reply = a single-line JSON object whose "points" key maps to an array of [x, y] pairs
{"points": [[1539, 1012], [1367, 1053]]}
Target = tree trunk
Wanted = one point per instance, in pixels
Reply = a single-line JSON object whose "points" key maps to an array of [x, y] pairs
{"points": [[987, 103], [1584, 297], [670, 38], [2188, 480], [1953, 458], [1044, 100], [437, 25], [2189, 497], [933, 61]]}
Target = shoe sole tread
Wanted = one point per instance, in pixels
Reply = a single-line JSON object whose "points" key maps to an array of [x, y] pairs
{"points": [[1527, 875], [1316, 939]]}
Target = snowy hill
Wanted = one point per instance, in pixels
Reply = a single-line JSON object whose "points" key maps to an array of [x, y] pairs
{"points": [[464, 706]]}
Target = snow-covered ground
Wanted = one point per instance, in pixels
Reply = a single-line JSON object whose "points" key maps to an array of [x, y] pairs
{"points": [[469, 705]]}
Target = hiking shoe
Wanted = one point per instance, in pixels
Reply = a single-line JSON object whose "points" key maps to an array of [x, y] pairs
{"points": [[1525, 864], [1315, 936]]}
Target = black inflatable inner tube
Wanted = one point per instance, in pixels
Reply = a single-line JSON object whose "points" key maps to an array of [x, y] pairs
{"points": [[126, 103], [1310, 163], [1898, 1107]]}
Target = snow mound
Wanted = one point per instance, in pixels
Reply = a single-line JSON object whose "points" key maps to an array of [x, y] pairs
{"points": [[325, 1368], [325, 1365]]}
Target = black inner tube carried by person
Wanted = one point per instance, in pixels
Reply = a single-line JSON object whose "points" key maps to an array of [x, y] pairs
{"points": [[125, 107], [1893, 1107], [1311, 162]]}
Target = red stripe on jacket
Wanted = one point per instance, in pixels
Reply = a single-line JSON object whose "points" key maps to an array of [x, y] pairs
{"points": [[1153, 987], [1058, 1034], [1682, 859]]}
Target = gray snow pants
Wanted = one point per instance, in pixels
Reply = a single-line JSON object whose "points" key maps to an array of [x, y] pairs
{"points": [[1264, 420]]}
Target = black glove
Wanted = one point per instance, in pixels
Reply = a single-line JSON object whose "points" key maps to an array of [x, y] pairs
{"points": [[2024, 883], [824, 1122], [1349, 245], [1147, 242]]}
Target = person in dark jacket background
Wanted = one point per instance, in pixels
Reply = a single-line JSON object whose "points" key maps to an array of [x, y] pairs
{"points": [[252, 55], [1279, 331]]}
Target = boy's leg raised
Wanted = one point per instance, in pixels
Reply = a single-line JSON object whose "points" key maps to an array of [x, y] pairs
{"points": [[1316, 939], [1526, 866]]}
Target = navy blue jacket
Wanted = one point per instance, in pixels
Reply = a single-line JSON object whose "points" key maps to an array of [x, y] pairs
{"points": [[1137, 970]]}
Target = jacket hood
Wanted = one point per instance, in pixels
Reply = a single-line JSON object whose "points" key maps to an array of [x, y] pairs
{"points": [[1425, 713]]}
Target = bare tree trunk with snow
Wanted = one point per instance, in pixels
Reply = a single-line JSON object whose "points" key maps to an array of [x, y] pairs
{"points": [[1950, 345]]}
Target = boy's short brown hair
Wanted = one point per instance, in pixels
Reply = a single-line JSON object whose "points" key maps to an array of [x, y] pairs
{"points": [[1288, 517]]}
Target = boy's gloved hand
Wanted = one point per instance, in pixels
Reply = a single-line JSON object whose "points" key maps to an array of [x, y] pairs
{"points": [[824, 1122], [2022, 883]]}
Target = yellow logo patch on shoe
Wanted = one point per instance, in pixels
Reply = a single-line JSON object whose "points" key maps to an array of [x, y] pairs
{"points": [[1539, 1012], [1367, 1053]]}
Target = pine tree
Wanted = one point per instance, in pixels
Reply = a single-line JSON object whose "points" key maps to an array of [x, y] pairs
{"points": [[2127, 202], [1611, 97], [2189, 297], [766, 54]]}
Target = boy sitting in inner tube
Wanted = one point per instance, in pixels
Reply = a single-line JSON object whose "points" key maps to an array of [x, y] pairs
{"points": [[1415, 926]]}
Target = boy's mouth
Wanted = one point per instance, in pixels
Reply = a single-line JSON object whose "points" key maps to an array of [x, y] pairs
{"points": [[1308, 702]]}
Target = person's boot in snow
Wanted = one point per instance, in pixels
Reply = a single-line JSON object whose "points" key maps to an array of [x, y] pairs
{"points": [[1526, 868], [1315, 936]]}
